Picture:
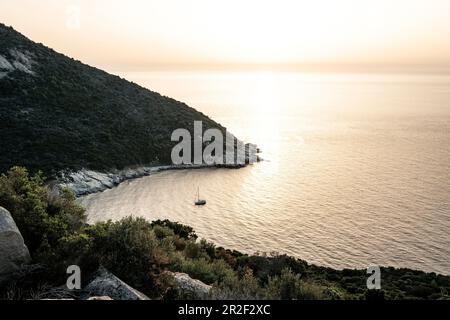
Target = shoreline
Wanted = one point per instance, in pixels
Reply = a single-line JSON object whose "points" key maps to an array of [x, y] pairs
{"points": [[85, 181]]}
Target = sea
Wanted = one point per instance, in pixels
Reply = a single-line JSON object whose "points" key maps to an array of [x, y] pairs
{"points": [[356, 168]]}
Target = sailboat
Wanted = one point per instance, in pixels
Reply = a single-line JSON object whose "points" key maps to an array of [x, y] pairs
{"points": [[199, 202]]}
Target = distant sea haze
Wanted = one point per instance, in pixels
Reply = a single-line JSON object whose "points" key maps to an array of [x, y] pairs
{"points": [[356, 170]]}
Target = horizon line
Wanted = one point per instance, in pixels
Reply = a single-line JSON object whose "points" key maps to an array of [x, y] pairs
{"points": [[287, 67]]}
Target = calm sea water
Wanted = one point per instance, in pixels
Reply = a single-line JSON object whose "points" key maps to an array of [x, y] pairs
{"points": [[357, 168]]}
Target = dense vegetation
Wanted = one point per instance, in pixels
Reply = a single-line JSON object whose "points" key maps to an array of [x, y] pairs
{"points": [[139, 252], [68, 115]]}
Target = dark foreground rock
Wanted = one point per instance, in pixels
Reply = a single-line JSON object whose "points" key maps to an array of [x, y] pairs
{"points": [[13, 251], [105, 284]]}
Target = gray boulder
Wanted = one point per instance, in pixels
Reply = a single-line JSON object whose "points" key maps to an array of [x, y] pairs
{"points": [[13, 251], [107, 284], [190, 287]]}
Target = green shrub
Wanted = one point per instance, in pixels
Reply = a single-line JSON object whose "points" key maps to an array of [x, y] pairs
{"points": [[192, 250], [42, 216], [130, 249], [162, 232], [215, 271], [181, 230], [235, 288], [265, 267], [179, 243], [209, 248], [289, 286]]}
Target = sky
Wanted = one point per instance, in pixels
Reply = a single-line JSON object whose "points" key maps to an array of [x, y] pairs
{"points": [[144, 34]]}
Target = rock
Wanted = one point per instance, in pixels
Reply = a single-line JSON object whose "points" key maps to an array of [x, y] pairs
{"points": [[85, 181], [191, 287], [88, 181], [21, 61], [13, 251], [107, 284], [100, 298]]}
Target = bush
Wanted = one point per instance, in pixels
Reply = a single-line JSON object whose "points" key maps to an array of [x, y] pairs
{"points": [[215, 271], [192, 250], [234, 288], [290, 286], [42, 216], [209, 248], [130, 249], [179, 229], [162, 232], [266, 266]]}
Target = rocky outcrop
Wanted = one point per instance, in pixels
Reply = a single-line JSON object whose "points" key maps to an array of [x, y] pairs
{"points": [[21, 61], [88, 181], [13, 251], [105, 284], [84, 182], [100, 298], [190, 287]]}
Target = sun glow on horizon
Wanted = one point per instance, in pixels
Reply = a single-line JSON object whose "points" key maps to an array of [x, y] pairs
{"points": [[142, 33]]}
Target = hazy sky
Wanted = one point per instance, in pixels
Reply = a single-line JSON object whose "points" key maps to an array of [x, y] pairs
{"points": [[121, 34]]}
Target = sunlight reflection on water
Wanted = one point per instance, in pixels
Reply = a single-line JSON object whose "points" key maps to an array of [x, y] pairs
{"points": [[357, 169]]}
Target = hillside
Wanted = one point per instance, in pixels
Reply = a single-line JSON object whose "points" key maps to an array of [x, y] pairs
{"points": [[58, 113], [149, 256]]}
